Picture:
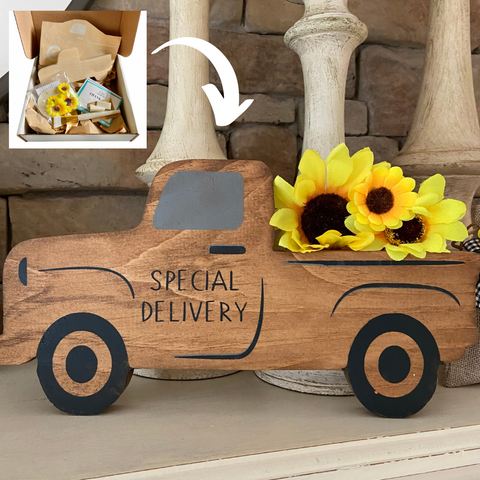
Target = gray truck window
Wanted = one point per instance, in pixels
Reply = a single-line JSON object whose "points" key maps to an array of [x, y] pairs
{"points": [[201, 201]]}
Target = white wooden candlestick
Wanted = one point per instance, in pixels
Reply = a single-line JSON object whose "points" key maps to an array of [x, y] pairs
{"points": [[445, 135], [188, 131], [325, 39]]}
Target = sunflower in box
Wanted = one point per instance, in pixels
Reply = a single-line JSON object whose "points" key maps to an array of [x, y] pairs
{"points": [[64, 88], [56, 107], [312, 213], [70, 100], [434, 221], [384, 199]]}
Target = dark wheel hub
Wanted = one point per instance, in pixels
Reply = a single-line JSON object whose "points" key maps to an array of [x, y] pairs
{"points": [[394, 364], [81, 364]]}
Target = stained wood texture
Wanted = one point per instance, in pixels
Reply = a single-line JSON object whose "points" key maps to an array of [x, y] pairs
{"points": [[188, 131], [75, 69], [325, 39], [307, 318]]}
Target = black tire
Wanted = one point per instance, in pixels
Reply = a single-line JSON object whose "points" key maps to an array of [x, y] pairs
{"points": [[412, 402], [117, 381]]}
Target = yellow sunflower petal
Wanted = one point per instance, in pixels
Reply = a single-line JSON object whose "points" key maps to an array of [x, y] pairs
{"points": [[312, 165], [378, 244], [284, 194], [379, 176], [421, 211], [405, 185], [362, 219], [286, 241], [352, 208], [433, 242], [406, 199], [329, 237], [395, 253], [339, 167], [375, 219], [447, 211], [413, 247], [361, 240], [361, 188], [362, 164], [394, 176], [435, 185], [455, 231], [304, 191], [350, 224], [285, 219], [427, 200]]}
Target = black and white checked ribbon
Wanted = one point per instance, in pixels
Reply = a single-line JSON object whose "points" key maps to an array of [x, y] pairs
{"points": [[473, 245]]}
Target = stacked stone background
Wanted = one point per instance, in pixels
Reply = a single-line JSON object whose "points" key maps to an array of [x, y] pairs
{"points": [[57, 192]]}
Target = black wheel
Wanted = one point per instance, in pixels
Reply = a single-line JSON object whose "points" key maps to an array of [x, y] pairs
{"points": [[82, 364], [392, 365]]}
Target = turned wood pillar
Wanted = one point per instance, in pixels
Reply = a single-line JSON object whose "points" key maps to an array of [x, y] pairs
{"points": [[188, 131], [445, 135], [325, 39]]}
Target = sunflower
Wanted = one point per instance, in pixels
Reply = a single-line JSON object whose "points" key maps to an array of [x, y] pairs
{"points": [[312, 213], [435, 221], [384, 199], [70, 100], [56, 107], [64, 88]]}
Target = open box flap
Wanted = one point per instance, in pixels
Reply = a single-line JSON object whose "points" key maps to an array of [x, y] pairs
{"points": [[118, 23]]}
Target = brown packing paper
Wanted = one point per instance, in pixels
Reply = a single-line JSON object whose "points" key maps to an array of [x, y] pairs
{"points": [[86, 127], [117, 126], [89, 41], [36, 121], [76, 69]]}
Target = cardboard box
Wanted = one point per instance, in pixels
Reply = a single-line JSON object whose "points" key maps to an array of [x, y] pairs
{"points": [[120, 23]]}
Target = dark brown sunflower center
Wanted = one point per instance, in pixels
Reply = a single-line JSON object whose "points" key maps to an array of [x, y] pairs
{"points": [[325, 212], [64, 89], [380, 200], [68, 101], [56, 108], [410, 232]]}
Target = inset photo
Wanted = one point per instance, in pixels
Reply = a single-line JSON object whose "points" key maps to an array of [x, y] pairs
{"points": [[77, 77]]}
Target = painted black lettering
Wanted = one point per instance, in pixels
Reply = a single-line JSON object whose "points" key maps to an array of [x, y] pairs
{"points": [[231, 282], [217, 282], [171, 313], [146, 304], [193, 282], [184, 310], [206, 280], [170, 278], [241, 311], [223, 313], [195, 317], [180, 280], [159, 286], [158, 309], [208, 310]]}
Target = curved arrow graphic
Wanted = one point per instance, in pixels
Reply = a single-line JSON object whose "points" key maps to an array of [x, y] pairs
{"points": [[226, 109]]}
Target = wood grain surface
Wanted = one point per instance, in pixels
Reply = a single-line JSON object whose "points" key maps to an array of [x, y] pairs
{"points": [[169, 298]]}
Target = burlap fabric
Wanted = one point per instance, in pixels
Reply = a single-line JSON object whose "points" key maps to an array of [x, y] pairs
{"points": [[466, 371]]}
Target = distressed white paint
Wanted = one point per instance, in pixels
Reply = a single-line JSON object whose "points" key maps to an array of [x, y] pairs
{"points": [[325, 39], [188, 131]]}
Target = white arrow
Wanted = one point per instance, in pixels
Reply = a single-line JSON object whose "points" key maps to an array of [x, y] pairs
{"points": [[226, 109]]}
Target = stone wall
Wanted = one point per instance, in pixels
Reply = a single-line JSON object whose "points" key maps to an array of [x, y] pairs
{"points": [[63, 192]]}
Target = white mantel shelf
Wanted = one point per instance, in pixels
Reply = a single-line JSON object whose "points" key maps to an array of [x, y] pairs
{"points": [[235, 428]]}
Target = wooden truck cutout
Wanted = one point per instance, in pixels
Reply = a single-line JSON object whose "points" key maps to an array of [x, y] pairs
{"points": [[197, 285]]}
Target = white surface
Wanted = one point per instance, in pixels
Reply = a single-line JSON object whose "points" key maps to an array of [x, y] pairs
{"points": [[5, 7], [135, 73], [234, 428]]}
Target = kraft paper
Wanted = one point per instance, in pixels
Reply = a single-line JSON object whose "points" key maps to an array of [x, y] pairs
{"points": [[89, 41]]}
